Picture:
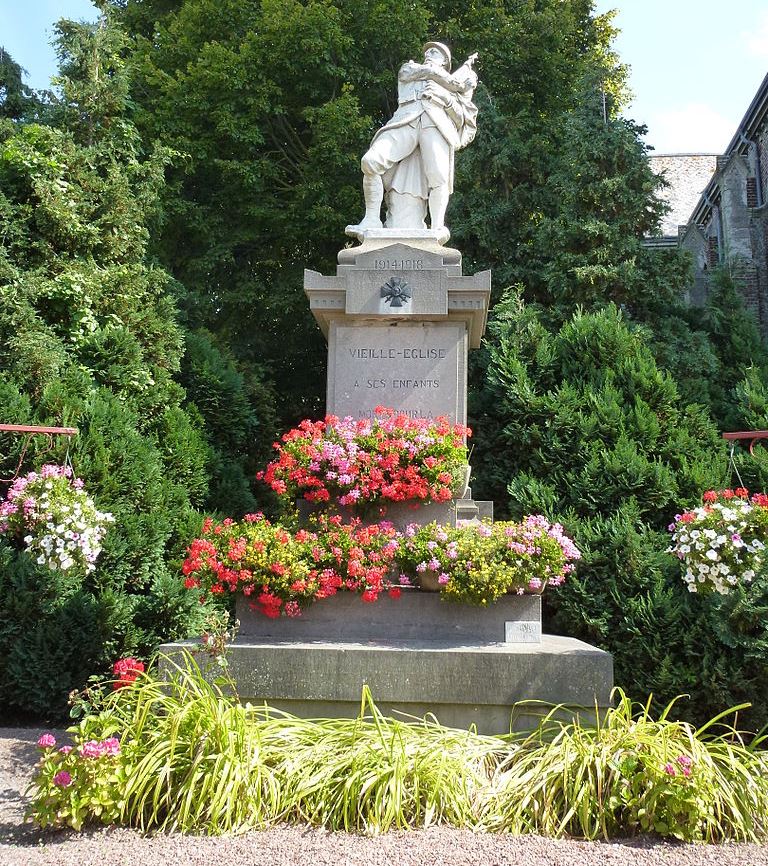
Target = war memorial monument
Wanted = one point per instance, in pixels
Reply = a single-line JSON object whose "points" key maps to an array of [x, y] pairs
{"points": [[400, 318]]}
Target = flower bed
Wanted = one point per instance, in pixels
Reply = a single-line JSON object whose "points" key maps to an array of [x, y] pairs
{"points": [[722, 542], [479, 562], [175, 752], [281, 572], [391, 458]]}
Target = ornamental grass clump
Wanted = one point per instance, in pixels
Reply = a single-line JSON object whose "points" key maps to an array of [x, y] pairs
{"points": [[632, 774], [49, 514], [177, 752], [389, 458], [722, 542], [194, 760]]}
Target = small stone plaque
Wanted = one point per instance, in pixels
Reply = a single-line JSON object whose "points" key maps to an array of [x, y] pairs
{"points": [[427, 293], [415, 368], [522, 631]]}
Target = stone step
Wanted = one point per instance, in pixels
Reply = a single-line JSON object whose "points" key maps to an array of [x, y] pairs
{"points": [[459, 685], [416, 615]]}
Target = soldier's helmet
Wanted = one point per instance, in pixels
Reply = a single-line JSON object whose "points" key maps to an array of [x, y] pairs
{"points": [[444, 49]]}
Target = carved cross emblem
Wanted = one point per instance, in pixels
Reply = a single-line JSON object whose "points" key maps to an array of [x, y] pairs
{"points": [[396, 292]]}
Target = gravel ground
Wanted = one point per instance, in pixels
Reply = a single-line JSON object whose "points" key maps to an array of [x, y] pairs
{"points": [[22, 845]]}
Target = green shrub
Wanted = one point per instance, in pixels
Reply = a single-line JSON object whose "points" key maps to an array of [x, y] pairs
{"points": [[89, 337], [585, 428]]}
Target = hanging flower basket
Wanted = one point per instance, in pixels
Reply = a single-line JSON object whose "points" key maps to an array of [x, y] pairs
{"points": [[48, 514], [722, 542]]}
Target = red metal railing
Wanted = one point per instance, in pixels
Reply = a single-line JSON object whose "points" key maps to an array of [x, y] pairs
{"points": [[753, 435], [28, 431]]}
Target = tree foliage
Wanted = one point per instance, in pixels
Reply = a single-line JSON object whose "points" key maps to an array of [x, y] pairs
{"points": [[17, 100], [89, 337], [585, 427], [274, 104]]}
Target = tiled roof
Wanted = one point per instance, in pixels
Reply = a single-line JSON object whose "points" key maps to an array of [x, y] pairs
{"points": [[687, 175]]}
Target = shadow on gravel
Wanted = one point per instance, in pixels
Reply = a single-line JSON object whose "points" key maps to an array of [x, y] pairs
{"points": [[18, 755]]}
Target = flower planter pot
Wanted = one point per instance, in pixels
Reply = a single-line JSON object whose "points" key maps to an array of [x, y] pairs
{"points": [[398, 513], [428, 583]]}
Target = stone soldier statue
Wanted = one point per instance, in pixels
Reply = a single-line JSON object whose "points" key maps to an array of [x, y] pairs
{"points": [[411, 157]]}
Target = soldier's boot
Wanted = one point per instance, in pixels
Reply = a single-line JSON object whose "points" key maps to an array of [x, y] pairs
{"points": [[438, 204], [373, 192]]}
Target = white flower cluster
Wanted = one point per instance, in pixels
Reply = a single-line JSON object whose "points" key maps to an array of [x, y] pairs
{"points": [[721, 544], [61, 527]]}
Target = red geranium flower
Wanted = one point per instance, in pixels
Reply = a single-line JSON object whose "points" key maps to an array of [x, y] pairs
{"points": [[126, 671]]}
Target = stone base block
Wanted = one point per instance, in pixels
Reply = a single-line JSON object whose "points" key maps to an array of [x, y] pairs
{"points": [[459, 685], [414, 616]]}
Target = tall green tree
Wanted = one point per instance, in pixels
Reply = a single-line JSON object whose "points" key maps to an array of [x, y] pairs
{"points": [[17, 100], [274, 104], [89, 336]]}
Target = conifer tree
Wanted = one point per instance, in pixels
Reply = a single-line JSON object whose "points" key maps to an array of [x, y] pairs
{"points": [[89, 337]]}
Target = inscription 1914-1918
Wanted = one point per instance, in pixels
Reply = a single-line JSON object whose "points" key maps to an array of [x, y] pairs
{"points": [[398, 264]]}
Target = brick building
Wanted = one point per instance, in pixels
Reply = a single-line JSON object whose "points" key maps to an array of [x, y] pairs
{"points": [[729, 223]]}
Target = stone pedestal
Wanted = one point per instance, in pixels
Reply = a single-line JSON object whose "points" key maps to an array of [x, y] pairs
{"points": [[400, 318]]}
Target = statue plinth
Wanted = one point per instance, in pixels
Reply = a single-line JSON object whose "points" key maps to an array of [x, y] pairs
{"points": [[400, 318]]}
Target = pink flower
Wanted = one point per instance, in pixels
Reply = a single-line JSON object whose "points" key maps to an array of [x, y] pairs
{"points": [[110, 746], [65, 750], [126, 671], [91, 749], [669, 769], [443, 579], [292, 609], [46, 741], [63, 779]]}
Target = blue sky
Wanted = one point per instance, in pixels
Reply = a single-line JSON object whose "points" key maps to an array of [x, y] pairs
{"points": [[695, 64]]}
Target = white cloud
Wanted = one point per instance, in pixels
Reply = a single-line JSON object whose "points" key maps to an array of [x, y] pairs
{"points": [[756, 40], [693, 127]]}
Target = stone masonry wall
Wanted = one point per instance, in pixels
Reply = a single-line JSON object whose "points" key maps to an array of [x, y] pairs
{"points": [[762, 154]]}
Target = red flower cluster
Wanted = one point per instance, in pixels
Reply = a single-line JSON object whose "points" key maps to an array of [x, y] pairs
{"points": [[280, 572], [391, 458], [738, 493], [356, 557], [261, 560], [125, 671]]}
